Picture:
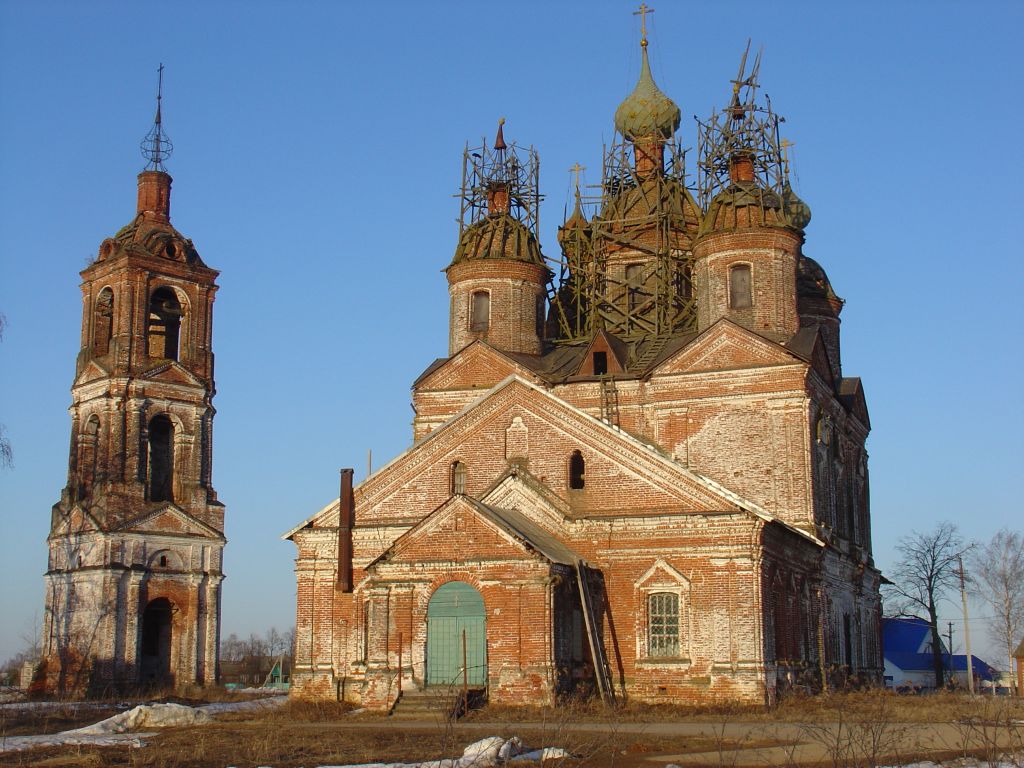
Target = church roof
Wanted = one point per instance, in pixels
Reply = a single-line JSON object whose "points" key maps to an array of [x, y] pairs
{"points": [[498, 236], [521, 527]]}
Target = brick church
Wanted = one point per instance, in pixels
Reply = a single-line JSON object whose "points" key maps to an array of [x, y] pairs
{"points": [[640, 471]]}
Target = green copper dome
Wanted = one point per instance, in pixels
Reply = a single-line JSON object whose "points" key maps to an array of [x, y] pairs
{"points": [[647, 111]]}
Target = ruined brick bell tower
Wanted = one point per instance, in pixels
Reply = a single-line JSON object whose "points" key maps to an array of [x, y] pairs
{"points": [[136, 540]]}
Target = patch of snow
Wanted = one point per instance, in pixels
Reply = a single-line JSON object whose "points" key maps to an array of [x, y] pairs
{"points": [[488, 752], [244, 706], [21, 743], [147, 716]]}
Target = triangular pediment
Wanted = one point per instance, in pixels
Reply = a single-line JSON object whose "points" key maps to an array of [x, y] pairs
{"points": [[174, 521], [92, 371], [466, 530], [726, 346], [851, 395], [521, 492], [477, 365], [75, 522], [172, 373], [646, 480]]}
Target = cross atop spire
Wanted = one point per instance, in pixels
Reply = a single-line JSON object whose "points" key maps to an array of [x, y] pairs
{"points": [[575, 170], [642, 13], [156, 146]]}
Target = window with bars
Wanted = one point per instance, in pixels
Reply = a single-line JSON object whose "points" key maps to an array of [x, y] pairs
{"points": [[663, 625]]}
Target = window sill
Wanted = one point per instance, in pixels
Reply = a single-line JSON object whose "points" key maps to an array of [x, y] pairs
{"points": [[664, 661]]}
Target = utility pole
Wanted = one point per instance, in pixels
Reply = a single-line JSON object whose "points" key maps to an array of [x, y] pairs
{"points": [[949, 637], [967, 631]]}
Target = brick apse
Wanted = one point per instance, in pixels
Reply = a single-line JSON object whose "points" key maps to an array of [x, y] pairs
{"points": [[135, 545], [645, 479]]}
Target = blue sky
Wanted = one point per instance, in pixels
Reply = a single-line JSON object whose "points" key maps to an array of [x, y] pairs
{"points": [[317, 149]]}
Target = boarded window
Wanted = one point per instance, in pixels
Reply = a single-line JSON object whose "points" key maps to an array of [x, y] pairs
{"points": [[480, 316], [600, 363], [163, 324], [663, 624], [458, 478], [577, 471], [739, 286], [633, 283], [103, 322], [161, 459]]}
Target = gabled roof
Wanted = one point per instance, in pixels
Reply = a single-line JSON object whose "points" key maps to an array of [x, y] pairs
{"points": [[904, 634], [851, 395], [1019, 653], [514, 525], [483, 357], [667, 474], [726, 346]]}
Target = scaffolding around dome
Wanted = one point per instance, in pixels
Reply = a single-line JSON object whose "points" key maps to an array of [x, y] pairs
{"points": [[745, 130], [628, 269], [503, 178]]}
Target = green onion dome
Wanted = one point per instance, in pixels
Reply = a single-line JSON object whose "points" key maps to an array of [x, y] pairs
{"points": [[647, 111]]}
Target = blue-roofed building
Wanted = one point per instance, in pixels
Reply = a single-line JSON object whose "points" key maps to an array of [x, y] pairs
{"points": [[907, 647]]}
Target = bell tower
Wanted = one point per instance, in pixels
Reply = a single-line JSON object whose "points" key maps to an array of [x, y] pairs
{"points": [[135, 546]]}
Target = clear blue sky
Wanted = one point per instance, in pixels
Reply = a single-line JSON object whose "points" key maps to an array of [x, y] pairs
{"points": [[317, 148]]}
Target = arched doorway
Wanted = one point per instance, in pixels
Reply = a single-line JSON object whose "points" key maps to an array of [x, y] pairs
{"points": [[155, 645], [456, 611]]}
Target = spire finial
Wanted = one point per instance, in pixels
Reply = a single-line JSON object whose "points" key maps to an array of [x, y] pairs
{"points": [[499, 140], [157, 147], [642, 13]]}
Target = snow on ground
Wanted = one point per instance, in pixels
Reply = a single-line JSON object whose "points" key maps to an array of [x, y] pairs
{"points": [[485, 753], [113, 730]]}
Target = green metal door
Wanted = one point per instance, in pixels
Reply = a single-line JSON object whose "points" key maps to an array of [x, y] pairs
{"points": [[456, 609]]}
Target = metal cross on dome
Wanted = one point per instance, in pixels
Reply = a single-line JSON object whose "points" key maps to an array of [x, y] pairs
{"points": [[642, 13]]}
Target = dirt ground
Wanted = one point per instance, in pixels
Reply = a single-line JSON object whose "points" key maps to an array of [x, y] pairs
{"points": [[848, 730]]}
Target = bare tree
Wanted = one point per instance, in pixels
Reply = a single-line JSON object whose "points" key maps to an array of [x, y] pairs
{"points": [[999, 573], [926, 571]]}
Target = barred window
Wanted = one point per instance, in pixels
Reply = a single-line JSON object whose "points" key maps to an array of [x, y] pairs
{"points": [[663, 624]]}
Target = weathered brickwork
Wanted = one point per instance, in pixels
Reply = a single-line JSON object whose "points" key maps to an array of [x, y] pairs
{"points": [[134, 573], [681, 516]]}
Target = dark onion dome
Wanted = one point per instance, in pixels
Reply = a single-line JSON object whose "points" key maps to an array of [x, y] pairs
{"points": [[797, 210], [647, 111], [145, 237], [814, 292], [576, 227], [744, 204], [655, 196], [498, 236]]}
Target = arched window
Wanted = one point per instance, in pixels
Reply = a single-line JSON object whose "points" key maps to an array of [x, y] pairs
{"points": [[663, 624], [480, 312], [577, 471], [161, 458], [103, 322], [540, 317], [458, 478], [739, 286], [164, 323], [686, 281]]}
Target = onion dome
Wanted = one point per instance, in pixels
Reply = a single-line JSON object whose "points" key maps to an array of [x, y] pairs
{"points": [[744, 203], [814, 292], [498, 236], [798, 212], [647, 111], [576, 227]]}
